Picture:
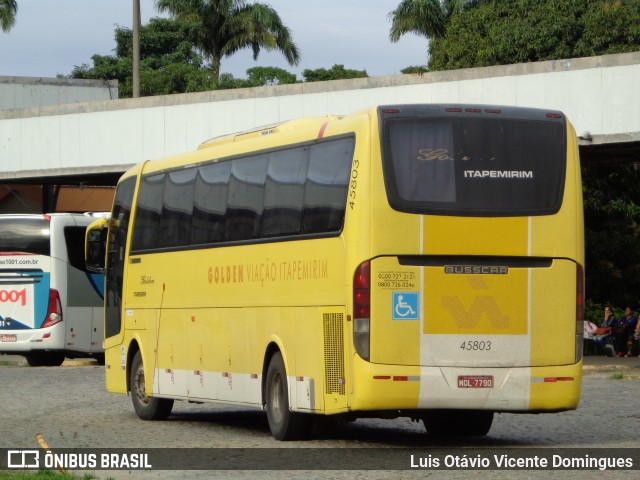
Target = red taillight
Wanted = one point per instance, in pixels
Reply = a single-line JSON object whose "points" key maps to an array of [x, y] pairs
{"points": [[54, 311], [579, 295], [362, 291]]}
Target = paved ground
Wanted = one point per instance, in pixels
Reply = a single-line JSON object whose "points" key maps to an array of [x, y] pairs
{"points": [[592, 363]]}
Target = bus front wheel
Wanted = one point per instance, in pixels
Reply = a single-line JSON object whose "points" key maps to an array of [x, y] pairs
{"points": [[466, 423], [283, 423], [147, 408]]}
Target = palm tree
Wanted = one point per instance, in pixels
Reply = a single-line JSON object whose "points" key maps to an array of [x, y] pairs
{"points": [[428, 18], [8, 10], [223, 27]]}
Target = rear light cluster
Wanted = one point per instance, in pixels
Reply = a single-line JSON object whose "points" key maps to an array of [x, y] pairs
{"points": [[579, 312], [362, 309], [54, 311]]}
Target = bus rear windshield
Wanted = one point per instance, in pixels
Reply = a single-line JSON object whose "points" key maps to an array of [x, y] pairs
{"points": [[24, 235], [474, 166]]}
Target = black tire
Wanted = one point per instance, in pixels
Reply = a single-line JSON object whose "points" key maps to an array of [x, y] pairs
{"points": [[467, 423], [45, 359], [99, 359], [283, 423], [147, 408]]}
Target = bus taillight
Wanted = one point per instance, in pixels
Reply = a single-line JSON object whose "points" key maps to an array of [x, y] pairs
{"points": [[362, 309], [579, 312], [54, 311]]}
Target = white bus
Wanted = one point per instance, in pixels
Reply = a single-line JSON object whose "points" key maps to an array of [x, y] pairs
{"points": [[51, 307]]}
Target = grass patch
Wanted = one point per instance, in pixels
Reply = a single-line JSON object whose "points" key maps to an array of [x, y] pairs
{"points": [[617, 376], [42, 475]]}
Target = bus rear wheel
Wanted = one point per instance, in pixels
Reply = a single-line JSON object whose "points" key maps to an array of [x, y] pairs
{"points": [[45, 359], [283, 423], [468, 423], [147, 408]]}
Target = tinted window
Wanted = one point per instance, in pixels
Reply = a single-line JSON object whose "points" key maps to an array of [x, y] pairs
{"points": [[293, 191], [210, 203], [28, 235], [284, 192], [177, 208], [246, 197], [149, 213], [326, 189], [118, 228], [474, 166], [74, 238]]}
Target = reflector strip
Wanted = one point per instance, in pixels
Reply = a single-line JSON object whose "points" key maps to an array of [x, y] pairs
{"points": [[551, 379], [382, 377]]}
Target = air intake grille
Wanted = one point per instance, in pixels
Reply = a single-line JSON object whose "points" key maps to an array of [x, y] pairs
{"points": [[333, 353]]}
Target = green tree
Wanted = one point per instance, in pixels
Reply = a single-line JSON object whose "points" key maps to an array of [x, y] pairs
{"points": [[337, 72], [501, 32], [612, 233], [169, 60], [225, 27], [257, 77], [428, 18], [8, 11]]}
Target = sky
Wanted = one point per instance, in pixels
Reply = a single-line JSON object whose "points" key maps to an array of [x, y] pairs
{"points": [[50, 37]]}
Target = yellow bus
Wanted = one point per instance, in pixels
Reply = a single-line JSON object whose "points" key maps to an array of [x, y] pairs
{"points": [[411, 260]]}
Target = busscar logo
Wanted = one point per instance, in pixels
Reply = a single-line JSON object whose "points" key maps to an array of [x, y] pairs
{"points": [[476, 270]]}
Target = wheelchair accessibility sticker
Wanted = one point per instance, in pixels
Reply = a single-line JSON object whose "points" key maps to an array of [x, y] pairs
{"points": [[405, 306]]}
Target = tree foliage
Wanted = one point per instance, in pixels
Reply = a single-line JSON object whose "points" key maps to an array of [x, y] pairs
{"points": [[224, 27], [169, 62], [428, 18], [612, 233], [258, 77], [8, 11], [337, 72], [501, 32]]}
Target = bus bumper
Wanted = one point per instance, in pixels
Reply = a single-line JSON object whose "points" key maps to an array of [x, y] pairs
{"points": [[19, 341], [514, 389]]}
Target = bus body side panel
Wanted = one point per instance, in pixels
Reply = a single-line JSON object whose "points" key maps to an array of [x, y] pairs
{"points": [[211, 315], [84, 315], [81, 303]]}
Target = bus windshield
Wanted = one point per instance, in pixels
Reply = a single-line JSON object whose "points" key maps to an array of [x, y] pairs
{"points": [[25, 235], [474, 166]]}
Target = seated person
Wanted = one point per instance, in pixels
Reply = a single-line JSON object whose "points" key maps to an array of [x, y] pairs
{"points": [[623, 332], [604, 331]]}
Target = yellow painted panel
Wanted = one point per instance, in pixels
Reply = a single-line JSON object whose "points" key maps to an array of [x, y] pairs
{"points": [[475, 304], [476, 236], [394, 340], [553, 310], [554, 394]]}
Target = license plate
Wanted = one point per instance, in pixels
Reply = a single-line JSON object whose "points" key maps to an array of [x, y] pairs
{"points": [[8, 338], [475, 381]]}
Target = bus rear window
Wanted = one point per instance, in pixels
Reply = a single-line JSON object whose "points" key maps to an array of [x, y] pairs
{"points": [[24, 235], [474, 166]]}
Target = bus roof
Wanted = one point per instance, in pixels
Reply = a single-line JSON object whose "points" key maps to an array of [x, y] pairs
{"points": [[268, 130]]}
